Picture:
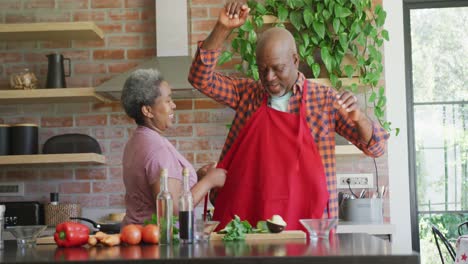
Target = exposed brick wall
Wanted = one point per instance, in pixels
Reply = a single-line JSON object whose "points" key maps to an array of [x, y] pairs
{"points": [[129, 27]]}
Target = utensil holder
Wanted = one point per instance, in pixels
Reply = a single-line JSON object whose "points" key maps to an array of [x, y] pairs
{"points": [[56, 214], [364, 210]]}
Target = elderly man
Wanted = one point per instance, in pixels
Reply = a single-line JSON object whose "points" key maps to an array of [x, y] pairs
{"points": [[280, 151]]}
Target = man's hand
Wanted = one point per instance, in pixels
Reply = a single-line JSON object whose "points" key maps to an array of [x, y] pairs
{"points": [[234, 15], [201, 173], [347, 104]]}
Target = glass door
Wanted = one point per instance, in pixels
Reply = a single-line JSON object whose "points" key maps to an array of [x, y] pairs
{"points": [[438, 98]]}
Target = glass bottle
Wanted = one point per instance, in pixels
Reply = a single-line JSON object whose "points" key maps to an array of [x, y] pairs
{"points": [[186, 224], [164, 209], [2, 215]]}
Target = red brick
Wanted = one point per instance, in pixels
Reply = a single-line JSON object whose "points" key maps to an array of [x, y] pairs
{"points": [[90, 174], [204, 158], [73, 4], [109, 132], [81, 81], [92, 120], [23, 119], [21, 45], [207, 104], [123, 15], [110, 28], [76, 55], [108, 187], [9, 110], [65, 121], [23, 18], [106, 4], [203, 25], [36, 57], [121, 119], [185, 118], [29, 4], [114, 159], [211, 130], [183, 104], [217, 143], [56, 44], [56, 174], [10, 4], [180, 131], [89, 68], [148, 15], [215, 11], [189, 156], [107, 107], [21, 175], [98, 80], [222, 116], [193, 145], [40, 187], [124, 41], [149, 41], [196, 37], [91, 201], [89, 43], [72, 108], [119, 67], [208, 2], [73, 130], [6, 57], [149, 4], [117, 200], [108, 54], [89, 15], [75, 187], [141, 53], [54, 17], [198, 12], [140, 27], [115, 173], [117, 146]]}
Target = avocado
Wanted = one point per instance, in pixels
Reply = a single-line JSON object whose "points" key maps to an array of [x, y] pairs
{"points": [[276, 224]]}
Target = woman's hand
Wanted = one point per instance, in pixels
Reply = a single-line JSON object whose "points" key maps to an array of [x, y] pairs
{"points": [[214, 176], [201, 173]]}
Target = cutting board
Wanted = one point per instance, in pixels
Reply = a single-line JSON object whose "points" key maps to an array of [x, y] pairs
{"points": [[47, 240], [289, 234]]}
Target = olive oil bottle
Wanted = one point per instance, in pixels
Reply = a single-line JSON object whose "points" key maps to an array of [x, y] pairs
{"points": [[164, 209]]}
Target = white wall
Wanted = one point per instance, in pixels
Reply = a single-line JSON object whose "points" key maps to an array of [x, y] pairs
{"points": [[396, 113]]}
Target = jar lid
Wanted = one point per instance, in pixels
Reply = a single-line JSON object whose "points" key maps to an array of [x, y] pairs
{"points": [[54, 197], [25, 124]]}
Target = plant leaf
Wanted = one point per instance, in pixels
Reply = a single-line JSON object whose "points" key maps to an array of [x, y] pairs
{"points": [[247, 26], [326, 57], [319, 27], [296, 19], [316, 70], [282, 13], [385, 35], [308, 17], [336, 25], [349, 70], [225, 57], [342, 11]]}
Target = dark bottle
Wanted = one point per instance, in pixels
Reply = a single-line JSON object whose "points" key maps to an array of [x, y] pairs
{"points": [[186, 223]]}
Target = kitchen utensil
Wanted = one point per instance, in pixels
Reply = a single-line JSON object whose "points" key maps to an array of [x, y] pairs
{"points": [[26, 235], [109, 228], [203, 229], [365, 210], [288, 234], [71, 143], [58, 213], [319, 228], [24, 139], [56, 71]]}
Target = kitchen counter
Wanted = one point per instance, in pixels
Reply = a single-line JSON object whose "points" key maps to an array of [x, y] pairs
{"points": [[341, 248]]}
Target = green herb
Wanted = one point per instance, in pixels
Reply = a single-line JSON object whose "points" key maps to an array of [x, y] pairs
{"points": [[236, 229], [261, 227]]}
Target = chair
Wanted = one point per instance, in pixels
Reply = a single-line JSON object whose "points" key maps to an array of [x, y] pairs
{"points": [[439, 236], [460, 228]]}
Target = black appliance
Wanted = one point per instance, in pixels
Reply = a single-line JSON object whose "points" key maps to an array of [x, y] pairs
{"points": [[23, 213], [56, 71], [71, 143]]}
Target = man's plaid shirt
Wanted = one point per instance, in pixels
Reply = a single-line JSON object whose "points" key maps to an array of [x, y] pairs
{"points": [[245, 97]]}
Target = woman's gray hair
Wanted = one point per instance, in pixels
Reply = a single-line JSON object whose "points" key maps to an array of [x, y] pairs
{"points": [[141, 88]]}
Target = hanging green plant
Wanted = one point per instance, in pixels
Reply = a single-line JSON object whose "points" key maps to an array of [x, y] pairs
{"points": [[326, 31]]}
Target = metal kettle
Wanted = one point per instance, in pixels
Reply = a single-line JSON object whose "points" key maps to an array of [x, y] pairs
{"points": [[56, 71]]}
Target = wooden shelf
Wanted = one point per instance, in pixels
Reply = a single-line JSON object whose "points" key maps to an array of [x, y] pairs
{"points": [[347, 150], [79, 158], [45, 96], [50, 31]]}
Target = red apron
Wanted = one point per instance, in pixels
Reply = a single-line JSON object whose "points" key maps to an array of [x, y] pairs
{"points": [[274, 167]]}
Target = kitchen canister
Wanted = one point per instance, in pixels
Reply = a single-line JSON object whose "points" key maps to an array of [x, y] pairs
{"points": [[58, 213], [363, 210], [4, 139], [24, 139]]}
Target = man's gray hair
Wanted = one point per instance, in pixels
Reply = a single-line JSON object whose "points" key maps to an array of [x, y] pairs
{"points": [[141, 88]]}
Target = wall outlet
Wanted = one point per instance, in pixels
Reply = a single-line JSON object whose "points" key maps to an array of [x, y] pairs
{"points": [[358, 180]]}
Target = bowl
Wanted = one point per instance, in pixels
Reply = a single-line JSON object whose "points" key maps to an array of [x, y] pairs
{"points": [[203, 229], [26, 235], [319, 228]]}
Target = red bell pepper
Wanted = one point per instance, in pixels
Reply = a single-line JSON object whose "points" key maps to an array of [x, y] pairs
{"points": [[70, 234]]}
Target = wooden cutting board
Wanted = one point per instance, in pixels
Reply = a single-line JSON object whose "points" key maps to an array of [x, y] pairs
{"points": [[47, 240], [289, 234]]}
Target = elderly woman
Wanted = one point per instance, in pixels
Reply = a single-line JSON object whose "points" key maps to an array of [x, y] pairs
{"points": [[146, 98]]}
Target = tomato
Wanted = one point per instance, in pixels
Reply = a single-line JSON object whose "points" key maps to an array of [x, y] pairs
{"points": [[131, 234], [151, 234]]}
